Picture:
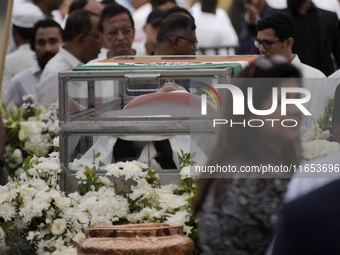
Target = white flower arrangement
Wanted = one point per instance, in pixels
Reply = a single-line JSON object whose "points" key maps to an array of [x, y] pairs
{"points": [[30, 130], [315, 142], [51, 222]]}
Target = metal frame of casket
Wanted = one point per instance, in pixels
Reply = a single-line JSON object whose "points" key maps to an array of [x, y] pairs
{"points": [[90, 85]]}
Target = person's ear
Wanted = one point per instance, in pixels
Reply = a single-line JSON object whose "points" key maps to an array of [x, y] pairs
{"points": [[101, 38], [174, 43], [289, 43], [80, 38], [133, 33]]}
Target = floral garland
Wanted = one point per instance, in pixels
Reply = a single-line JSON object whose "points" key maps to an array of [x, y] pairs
{"points": [[30, 130], [36, 217]]}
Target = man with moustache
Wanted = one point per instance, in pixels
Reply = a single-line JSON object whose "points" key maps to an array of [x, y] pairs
{"points": [[45, 42], [116, 30], [316, 37]]}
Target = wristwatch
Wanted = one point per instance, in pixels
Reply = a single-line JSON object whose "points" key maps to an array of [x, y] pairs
{"points": [[2, 163]]}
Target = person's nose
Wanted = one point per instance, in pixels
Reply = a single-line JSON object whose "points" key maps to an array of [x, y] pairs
{"points": [[48, 47], [262, 49], [120, 35]]}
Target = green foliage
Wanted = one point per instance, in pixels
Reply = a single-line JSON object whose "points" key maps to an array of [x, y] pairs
{"points": [[185, 159], [325, 121]]}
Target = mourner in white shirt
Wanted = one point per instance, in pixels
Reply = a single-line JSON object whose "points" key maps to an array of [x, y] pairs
{"points": [[47, 36], [81, 45], [24, 17], [213, 28], [148, 45], [275, 37]]}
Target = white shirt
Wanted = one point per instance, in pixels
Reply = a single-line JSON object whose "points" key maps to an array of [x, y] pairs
{"points": [[24, 83], [139, 17], [212, 33], [140, 48], [47, 88], [312, 80], [16, 62]]}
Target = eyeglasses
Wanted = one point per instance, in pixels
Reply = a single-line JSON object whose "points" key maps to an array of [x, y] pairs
{"points": [[94, 36], [267, 44], [114, 32], [194, 43]]}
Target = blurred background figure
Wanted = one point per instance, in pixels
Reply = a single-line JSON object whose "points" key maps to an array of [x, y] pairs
{"points": [[238, 212], [148, 45], [317, 41], [24, 17], [212, 32], [45, 41], [47, 6], [255, 10], [145, 7]]}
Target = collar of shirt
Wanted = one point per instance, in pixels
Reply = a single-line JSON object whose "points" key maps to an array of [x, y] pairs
{"points": [[35, 69], [72, 60]]}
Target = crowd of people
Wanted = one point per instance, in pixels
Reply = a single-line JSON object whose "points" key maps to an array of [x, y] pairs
{"points": [[237, 215]]}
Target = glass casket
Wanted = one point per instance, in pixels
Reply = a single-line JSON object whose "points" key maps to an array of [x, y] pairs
{"points": [[112, 107]]}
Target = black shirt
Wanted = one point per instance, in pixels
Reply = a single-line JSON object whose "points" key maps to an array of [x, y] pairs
{"points": [[307, 38]]}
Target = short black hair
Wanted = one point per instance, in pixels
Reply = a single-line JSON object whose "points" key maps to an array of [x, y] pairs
{"points": [[25, 33], [174, 25], [106, 2], [48, 22], [156, 3], [282, 24], [79, 22], [113, 10], [77, 5], [178, 10], [208, 5]]}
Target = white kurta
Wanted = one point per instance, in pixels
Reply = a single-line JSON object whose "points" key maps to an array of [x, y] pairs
{"points": [[16, 62], [214, 31], [24, 83], [47, 88]]}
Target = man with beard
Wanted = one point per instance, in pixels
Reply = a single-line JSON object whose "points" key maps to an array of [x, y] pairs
{"points": [[45, 41], [316, 37]]}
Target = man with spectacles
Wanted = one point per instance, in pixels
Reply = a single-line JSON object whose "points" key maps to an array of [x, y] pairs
{"points": [[117, 30], [176, 36], [275, 36], [82, 44]]}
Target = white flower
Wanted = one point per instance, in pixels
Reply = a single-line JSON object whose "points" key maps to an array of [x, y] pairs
{"points": [[113, 169], [17, 155], [56, 142], [63, 202], [58, 226], [178, 219], [104, 180], [185, 172], [80, 175], [7, 211]]}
